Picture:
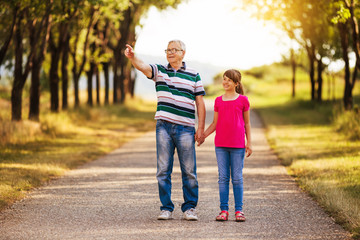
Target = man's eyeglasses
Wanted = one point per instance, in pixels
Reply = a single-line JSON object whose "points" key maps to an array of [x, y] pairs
{"points": [[173, 50]]}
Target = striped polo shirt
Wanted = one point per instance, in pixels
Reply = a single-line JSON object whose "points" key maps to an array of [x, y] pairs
{"points": [[176, 92]]}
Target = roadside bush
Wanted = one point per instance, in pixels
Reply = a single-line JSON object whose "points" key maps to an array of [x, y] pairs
{"points": [[18, 132], [348, 122], [258, 72]]}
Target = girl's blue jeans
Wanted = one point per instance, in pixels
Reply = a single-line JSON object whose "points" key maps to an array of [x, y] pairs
{"points": [[230, 163], [168, 137]]}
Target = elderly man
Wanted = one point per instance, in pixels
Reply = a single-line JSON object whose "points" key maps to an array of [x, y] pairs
{"points": [[178, 89]]}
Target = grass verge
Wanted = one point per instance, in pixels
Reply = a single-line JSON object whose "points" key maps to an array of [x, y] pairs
{"points": [[32, 153]]}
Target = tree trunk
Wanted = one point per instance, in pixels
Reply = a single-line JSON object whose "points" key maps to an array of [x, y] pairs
{"points": [[120, 61], [20, 75], [106, 78], [7, 41], [125, 29], [75, 74], [16, 101], [349, 85], [38, 36], [122, 80], [344, 36], [64, 72], [312, 78], [348, 98], [34, 108], [56, 52], [293, 68], [16, 92], [132, 78], [76, 88], [97, 85], [319, 80], [115, 79], [355, 30], [54, 76], [90, 75], [311, 56], [78, 70]]}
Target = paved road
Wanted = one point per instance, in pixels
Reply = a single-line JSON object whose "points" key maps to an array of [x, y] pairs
{"points": [[116, 197]]}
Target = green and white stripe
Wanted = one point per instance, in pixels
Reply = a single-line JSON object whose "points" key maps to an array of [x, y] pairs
{"points": [[176, 93]]}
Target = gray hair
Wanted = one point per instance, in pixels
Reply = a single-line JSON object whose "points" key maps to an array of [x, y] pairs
{"points": [[182, 44]]}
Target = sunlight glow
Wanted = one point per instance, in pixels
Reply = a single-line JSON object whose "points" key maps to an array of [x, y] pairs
{"points": [[215, 32]]}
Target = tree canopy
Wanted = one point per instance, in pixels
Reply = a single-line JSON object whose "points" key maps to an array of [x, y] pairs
{"points": [[68, 38], [325, 29]]}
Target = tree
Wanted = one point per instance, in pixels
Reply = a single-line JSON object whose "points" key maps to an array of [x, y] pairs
{"points": [[64, 14], [347, 15], [104, 52], [123, 32], [78, 68], [21, 72], [307, 22], [9, 10], [120, 38], [63, 27], [293, 70], [38, 35]]}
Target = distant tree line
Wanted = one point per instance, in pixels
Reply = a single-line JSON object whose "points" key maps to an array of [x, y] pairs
{"points": [[69, 38], [325, 29]]}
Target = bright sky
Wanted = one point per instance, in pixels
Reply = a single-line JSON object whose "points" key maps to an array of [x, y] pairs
{"points": [[214, 32]]}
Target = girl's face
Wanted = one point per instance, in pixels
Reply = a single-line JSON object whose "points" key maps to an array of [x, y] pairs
{"points": [[228, 84]]}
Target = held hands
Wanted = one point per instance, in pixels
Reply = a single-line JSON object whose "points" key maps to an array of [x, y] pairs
{"points": [[199, 137], [129, 52]]}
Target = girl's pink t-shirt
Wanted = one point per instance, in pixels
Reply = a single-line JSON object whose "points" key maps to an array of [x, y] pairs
{"points": [[230, 127]]}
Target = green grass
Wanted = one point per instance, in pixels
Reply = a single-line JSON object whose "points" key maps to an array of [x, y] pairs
{"points": [[32, 153], [305, 135]]}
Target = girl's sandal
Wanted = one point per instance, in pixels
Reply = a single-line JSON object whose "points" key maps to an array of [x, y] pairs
{"points": [[223, 216], [239, 216]]}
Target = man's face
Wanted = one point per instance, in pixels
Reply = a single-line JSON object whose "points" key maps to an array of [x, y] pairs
{"points": [[173, 54]]}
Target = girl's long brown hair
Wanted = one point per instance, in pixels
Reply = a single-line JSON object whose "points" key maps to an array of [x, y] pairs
{"points": [[235, 76]]}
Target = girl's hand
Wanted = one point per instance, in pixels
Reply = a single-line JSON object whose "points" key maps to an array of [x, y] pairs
{"points": [[248, 150], [199, 137], [129, 52]]}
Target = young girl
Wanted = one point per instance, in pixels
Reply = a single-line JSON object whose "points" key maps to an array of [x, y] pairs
{"points": [[232, 124]]}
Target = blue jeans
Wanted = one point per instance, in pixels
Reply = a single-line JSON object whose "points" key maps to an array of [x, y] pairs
{"points": [[230, 162], [168, 137]]}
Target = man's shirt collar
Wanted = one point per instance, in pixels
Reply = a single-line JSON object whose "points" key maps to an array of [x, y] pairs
{"points": [[183, 67]]}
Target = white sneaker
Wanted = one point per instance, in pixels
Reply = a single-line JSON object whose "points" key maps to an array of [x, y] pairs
{"points": [[165, 215], [190, 215]]}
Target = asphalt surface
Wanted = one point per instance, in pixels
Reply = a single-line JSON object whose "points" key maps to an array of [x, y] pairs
{"points": [[116, 197]]}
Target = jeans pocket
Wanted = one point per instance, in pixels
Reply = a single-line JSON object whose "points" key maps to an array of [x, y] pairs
{"points": [[159, 123], [189, 129]]}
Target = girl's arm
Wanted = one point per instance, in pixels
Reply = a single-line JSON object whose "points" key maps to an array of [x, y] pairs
{"points": [[212, 126], [248, 147]]}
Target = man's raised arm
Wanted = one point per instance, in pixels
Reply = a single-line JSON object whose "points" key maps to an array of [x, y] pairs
{"points": [[138, 63]]}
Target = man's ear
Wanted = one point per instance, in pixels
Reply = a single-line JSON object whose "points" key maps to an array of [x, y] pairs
{"points": [[183, 53]]}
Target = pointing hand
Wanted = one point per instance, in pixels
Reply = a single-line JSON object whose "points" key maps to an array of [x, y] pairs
{"points": [[129, 51]]}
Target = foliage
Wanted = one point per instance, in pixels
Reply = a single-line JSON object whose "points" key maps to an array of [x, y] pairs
{"points": [[348, 122], [311, 24], [258, 72], [88, 26], [342, 14]]}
